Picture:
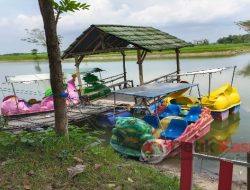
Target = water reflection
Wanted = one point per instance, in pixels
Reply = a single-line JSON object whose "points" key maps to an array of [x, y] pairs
{"points": [[245, 71], [37, 66], [219, 139]]}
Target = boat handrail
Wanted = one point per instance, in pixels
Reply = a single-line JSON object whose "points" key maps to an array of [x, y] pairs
{"points": [[166, 77], [216, 158], [208, 71], [113, 76]]}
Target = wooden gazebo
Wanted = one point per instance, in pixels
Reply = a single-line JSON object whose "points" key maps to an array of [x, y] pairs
{"points": [[117, 38]]}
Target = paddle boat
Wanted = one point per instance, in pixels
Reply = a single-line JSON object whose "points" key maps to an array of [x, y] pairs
{"points": [[13, 105], [159, 130], [222, 101], [94, 86]]}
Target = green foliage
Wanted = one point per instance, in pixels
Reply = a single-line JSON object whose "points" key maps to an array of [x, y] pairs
{"points": [[245, 72], [201, 42], [37, 36], [42, 159], [34, 52], [216, 48], [69, 6], [245, 25], [44, 140], [234, 39], [22, 56]]}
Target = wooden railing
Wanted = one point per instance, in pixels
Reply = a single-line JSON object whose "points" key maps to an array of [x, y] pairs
{"points": [[225, 173]]}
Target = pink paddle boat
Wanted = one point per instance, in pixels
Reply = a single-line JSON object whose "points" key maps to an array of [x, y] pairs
{"points": [[12, 105]]}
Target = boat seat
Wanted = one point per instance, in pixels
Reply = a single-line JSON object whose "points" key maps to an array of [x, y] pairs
{"points": [[152, 120], [171, 110], [175, 128], [193, 114]]}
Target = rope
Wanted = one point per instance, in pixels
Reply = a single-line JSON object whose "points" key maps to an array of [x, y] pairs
{"points": [[62, 94]]}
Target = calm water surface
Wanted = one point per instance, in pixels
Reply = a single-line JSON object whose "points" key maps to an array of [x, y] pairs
{"points": [[234, 131]]}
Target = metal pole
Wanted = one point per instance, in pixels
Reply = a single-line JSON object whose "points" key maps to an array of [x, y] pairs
{"points": [[209, 85], [233, 75], [192, 83], [12, 85], [114, 105], [209, 157], [199, 93], [77, 65]]}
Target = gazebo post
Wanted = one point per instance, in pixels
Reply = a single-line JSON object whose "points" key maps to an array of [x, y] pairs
{"points": [[140, 59], [78, 60], [177, 52], [124, 68]]}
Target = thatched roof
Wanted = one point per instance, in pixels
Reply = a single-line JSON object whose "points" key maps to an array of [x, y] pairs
{"points": [[116, 38]]}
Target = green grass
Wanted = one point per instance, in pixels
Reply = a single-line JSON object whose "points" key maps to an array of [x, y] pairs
{"points": [[41, 161], [211, 48], [216, 48], [22, 57]]}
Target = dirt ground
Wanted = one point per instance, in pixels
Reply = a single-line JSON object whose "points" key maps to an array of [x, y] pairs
{"points": [[203, 178]]}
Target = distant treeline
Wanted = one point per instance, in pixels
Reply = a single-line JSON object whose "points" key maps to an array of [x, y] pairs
{"points": [[234, 39]]}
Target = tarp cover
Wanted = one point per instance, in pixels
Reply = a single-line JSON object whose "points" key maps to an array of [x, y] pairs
{"points": [[155, 89]]}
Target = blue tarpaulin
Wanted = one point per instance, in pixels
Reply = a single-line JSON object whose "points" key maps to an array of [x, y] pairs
{"points": [[155, 89]]}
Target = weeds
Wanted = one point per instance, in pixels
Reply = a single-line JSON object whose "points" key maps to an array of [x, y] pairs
{"points": [[39, 160]]}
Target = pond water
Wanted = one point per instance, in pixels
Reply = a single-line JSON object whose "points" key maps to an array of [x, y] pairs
{"points": [[234, 132]]}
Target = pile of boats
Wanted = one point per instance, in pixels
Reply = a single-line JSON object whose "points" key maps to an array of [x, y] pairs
{"points": [[164, 114], [173, 117], [170, 121], [12, 105]]}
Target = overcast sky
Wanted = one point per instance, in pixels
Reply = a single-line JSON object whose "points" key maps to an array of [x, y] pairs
{"points": [[187, 19]]}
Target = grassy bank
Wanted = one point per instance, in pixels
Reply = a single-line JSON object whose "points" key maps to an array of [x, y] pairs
{"points": [[211, 50], [40, 161], [22, 57]]}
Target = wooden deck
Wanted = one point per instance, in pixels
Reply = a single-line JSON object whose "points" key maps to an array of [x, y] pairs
{"points": [[45, 120]]}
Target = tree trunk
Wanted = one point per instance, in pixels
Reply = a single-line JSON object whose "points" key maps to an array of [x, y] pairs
{"points": [[56, 75]]}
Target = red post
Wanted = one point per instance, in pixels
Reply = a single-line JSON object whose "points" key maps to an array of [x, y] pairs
{"points": [[248, 171], [186, 166], [225, 175]]}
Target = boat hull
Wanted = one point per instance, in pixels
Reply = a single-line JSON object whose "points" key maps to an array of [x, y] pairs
{"points": [[154, 151], [107, 119], [223, 115]]}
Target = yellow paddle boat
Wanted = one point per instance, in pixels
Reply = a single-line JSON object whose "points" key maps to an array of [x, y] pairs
{"points": [[222, 101]]}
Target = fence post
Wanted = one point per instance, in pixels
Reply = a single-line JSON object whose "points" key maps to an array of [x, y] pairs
{"points": [[225, 175], [248, 172], [186, 166]]}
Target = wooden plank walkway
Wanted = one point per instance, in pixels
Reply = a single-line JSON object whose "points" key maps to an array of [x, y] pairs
{"points": [[45, 120]]}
